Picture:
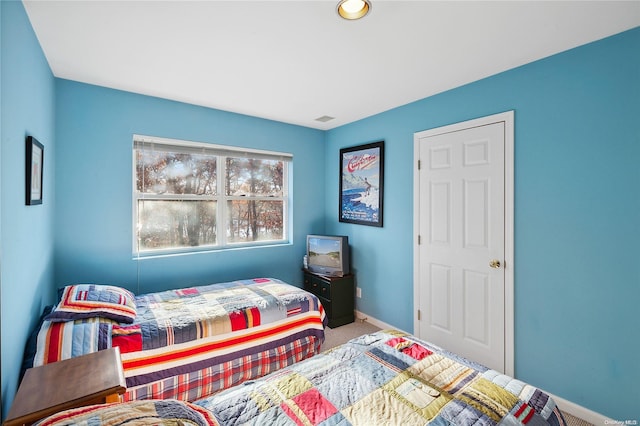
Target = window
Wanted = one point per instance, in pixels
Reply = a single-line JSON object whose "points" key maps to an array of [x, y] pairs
{"points": [[192, 196]]}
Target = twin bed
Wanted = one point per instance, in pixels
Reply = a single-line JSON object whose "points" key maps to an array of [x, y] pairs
{"points": [[189, 343], [385, 378]]}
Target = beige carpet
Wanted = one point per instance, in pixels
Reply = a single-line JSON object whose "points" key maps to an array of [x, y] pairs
{"points": [[336, 336], [339, 335]]}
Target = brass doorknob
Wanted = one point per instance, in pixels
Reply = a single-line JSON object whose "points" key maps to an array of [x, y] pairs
{"points": [[495, 263]]}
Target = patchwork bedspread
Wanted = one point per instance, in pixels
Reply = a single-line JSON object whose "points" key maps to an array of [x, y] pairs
{"points": [[190, 343], [169, 412], [386, 378]]}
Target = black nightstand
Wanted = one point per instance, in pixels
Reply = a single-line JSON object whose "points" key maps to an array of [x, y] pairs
{"points": [[336, 295]]}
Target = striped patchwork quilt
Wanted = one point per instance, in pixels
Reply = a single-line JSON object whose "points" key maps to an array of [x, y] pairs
{"points": [[190, 343], [170, 413], [386, 378]]}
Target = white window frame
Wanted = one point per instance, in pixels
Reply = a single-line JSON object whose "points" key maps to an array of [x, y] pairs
{"points": [[221, 151]]}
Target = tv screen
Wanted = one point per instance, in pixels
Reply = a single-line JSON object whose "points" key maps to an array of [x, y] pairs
{"points": [[328, 254]]}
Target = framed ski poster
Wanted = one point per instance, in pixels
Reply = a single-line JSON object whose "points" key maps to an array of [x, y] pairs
{"points": [[361, 184]]}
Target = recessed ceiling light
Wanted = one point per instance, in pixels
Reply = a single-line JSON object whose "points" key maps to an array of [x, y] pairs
{"points": [[353, 9]]}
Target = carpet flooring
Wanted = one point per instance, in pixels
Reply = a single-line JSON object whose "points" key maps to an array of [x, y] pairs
{"points": [[339, 335]]}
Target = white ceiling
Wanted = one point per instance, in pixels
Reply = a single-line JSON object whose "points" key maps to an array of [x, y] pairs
{"points": [[295, 61]]}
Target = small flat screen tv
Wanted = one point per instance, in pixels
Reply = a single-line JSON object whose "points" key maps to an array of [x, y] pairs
{"points": [[328, 254]]}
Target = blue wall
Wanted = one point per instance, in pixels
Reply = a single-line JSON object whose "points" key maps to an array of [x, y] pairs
{"points": [[577, 275], [95, 127], [27, 231], [577, 206]]}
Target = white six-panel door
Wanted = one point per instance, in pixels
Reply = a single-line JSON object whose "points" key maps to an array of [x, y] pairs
{"points": [[461, 261]]}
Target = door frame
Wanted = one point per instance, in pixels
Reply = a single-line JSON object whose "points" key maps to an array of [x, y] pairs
{"points": [[508, 119]]}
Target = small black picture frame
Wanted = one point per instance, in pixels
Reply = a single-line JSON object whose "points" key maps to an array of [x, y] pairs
{"points": [[362, 184], [34, 167]]}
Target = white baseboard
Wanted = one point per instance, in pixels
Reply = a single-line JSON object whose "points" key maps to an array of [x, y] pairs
{"points": [[564, 404], [580, 411], [374, 321]]}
